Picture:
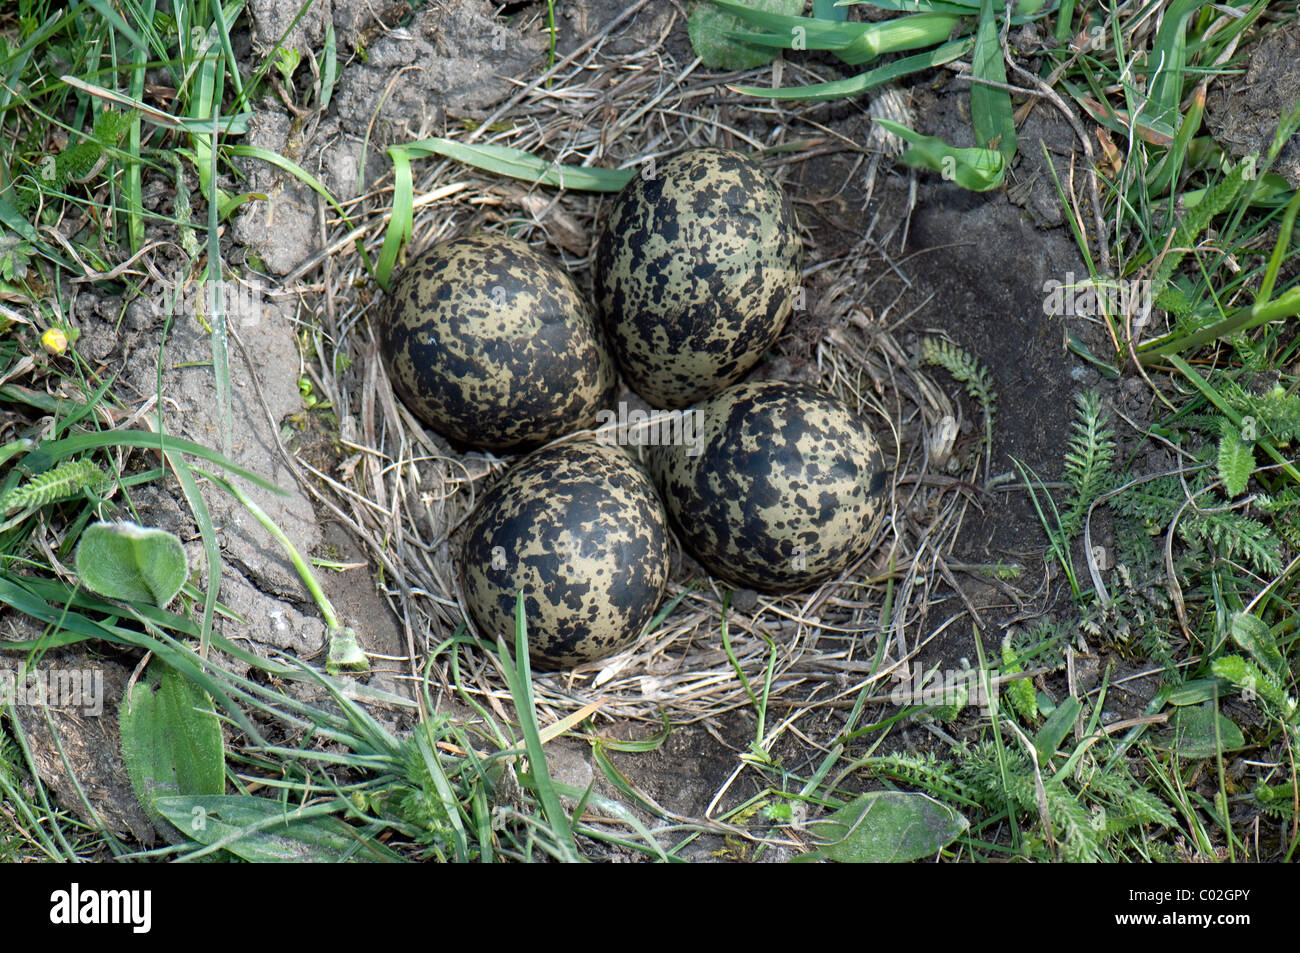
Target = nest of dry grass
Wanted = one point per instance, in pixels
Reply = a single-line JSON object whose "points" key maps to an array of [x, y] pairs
{"points": [[403, 491]]}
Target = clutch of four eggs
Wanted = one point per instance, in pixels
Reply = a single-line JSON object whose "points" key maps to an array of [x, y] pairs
{"points": [[779, 486]]}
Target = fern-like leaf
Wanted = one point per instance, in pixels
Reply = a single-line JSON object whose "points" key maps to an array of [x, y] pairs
{"points": [[63, 482], [1196, 221], [1238, 537], [981, 769], [1232, 534], [1236, 458], [1019, 692], [1285, 510], [927, 772], [1174, 300], [1128, 797], [9, 759], [968, 370], [1279, 414], [76, 162], [1088, 459], [1078, 829], [962, 366], [1275, 800]]}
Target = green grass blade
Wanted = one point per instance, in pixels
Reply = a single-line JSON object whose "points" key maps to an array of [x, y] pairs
{"points": [[990, 107], [519, 676], [211, 552], [1168, 61], [517, 164], [132, 181], [856, 43], [424, 743], [813, 30], [501, 160], [400, 222], [843, 88], [297, 171], [974, 168], [109, 15], [14, 593], [1064, 17], [50, 452], [330, 68], [1213, 396]]}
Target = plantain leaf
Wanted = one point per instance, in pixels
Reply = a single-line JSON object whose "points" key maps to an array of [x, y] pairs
{"points": [[1192, 733], [888, 827], [132, 563], [171, 740], [261, 830]]}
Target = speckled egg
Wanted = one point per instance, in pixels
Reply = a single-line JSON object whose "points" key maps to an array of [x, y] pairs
{"points": [[578, 528], [781, 485], [695, 274], [492, 344]]}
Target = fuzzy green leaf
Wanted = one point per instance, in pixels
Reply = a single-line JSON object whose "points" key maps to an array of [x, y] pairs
{"points": [[132, 563], [1236, 458], [345, 654], [888, 827], [1253, 683], [171, 740]]}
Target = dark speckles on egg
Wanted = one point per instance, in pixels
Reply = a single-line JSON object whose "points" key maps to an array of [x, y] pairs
{"points": [[788, 490], [493, 345], [577, 528], [695, 274]]}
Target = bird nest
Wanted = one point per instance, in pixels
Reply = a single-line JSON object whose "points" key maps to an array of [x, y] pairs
{"points": [[404, 491]]}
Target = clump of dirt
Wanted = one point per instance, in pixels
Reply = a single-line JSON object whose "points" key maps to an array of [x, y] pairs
{"points": [[68, 711], [1243, 114], [292, 26]]}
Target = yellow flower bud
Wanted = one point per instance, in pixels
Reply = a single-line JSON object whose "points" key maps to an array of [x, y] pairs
{"points": [[55, 341]]}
